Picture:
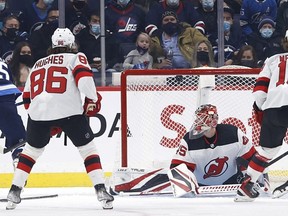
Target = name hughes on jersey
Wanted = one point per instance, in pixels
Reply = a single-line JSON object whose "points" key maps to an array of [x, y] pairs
{"points": [[57, 59]]}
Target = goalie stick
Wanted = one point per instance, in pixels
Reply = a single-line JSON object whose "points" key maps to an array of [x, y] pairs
{"points": [[5, 150], [33, 197]]}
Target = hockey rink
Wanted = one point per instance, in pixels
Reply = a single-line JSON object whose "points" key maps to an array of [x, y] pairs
{"points": [[83, 202]]}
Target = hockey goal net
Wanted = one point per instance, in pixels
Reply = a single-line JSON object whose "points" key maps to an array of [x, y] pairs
{"points": [[157, 109]]}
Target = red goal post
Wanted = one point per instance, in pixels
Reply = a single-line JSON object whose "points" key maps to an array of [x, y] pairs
{"points": [[157, 109]]}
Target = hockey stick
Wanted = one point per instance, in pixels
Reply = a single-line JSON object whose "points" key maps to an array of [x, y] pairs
{"points": [[34, 197], [5, 150], [19, 103]]}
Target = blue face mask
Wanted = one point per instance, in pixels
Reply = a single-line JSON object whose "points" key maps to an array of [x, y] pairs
{"points": [[2, 6], [227, 26], [95, 28], [48, 2], [266, 32], [207, 4]]}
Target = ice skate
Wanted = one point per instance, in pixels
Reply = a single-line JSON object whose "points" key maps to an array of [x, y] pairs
{"points": [[248, 191], [13, 197], [280, 190], [104, 197]]}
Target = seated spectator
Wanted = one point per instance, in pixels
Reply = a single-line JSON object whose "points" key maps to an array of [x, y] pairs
{"points": [[7, 8], [10, 37], [140, 57], [207, 11], [182, 8], [3, 11], [76, 15], [125, 20], [203, 55], [246, 56], [180, 38], [282, 18], [40, 39], [21, 63], [35, 14], [267, 41], [233, 38], [252, 11], [90, 42]]}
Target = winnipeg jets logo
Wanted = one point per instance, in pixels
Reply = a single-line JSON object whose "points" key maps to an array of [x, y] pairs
{"points": [[127, 26], [216, 167]]}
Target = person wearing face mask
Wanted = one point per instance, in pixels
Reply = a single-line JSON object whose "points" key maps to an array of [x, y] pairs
{"points": [[203, 55], [251, 13], [268, 41], [90, 43], [125, 20], [246, 56], [184, 10], [179, 37], [21, 63], [233, 37], [35, 14], [140, 57], [76, 15], [10, 37], [3, 12], [40, 39], [207, 11]]}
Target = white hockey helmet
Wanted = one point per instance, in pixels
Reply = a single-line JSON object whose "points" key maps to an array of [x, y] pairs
{"points": [[62, 37]]}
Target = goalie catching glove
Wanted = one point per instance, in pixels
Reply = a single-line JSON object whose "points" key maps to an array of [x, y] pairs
{"points": [[90, 107], [258, 113]]}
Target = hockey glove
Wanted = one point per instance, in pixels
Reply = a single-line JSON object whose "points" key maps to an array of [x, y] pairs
{"points": [[90, 107], [55, 130], [258, 113]]}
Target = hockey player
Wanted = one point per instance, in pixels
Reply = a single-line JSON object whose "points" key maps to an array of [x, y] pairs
{"points": [[52, 99], [11, 123], [211, 154], [271, 109], [210, 149]]}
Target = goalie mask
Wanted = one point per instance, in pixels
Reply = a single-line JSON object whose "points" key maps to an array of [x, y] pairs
{"points": [[206, 117]]}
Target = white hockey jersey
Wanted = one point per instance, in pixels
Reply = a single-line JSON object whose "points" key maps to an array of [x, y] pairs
{"points": [[55, 84], [271, 88], [214, 163]]}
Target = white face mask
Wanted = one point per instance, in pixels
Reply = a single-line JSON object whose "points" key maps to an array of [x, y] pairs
{"points": [[208, 4], [172, 3], [123, 2]]}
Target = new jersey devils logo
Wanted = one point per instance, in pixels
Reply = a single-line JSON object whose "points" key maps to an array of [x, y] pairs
{"points": [[216, 167]]}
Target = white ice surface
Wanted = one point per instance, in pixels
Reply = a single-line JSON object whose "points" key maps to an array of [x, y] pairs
{"points": [[83, 202]]}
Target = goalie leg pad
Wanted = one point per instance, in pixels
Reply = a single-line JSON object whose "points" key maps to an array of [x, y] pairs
{"points": [[183, 181]]}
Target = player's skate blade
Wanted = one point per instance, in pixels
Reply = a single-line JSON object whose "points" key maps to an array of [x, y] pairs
{"points": [[107, 204], [10, 205], [242, 198], [280, 191], [104, 197]]}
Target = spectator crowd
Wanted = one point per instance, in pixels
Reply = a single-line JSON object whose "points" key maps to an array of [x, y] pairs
{"points": [[144, 34]]}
